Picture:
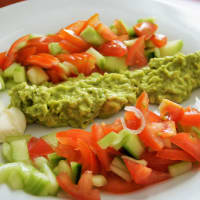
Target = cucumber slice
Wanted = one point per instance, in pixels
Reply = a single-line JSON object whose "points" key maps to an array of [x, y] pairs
{"points": [[114, 64], [69, 68], [129, 43], [108, 140], [150, 19], [171, 48], [157, 52], [15, 181], [37, 75], [9, 72], [54, 159], [6, 152], [63, 167], [99, 180], [51, 139], [179, 168], [55, 48], [19, 150], [21, 137], [131, 32], [113, 29], [100, 59], [76, 171], [134, 146], [118, 167], [19, 75], [2, 84], [10, 84], [90, 35]]}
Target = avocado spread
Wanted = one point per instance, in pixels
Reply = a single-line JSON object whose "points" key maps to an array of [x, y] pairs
{"points": [[78, 101]]}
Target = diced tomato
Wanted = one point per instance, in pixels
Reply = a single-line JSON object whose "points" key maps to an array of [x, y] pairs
{"points": [[132, 121], [123, 37], [153, 117], [142, 103], [146, 29], [82, 191], [54, 76], [117, 185], [105, 32], [43, 60], [167, 128], [10, 58], [190, 119], [93, 20], [138, 171], [74, 39], [175, 154], [2, 59], [77, 27], [159, 40], [113, 48], [150, 138], [69, 47], [38, 147], [121, 28], [172, 110], [188, 143], [135, 56], [116, 126], [40, 44], [24, 53], [157, 163]]}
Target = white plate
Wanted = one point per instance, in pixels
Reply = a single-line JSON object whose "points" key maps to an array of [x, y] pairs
{"points": [[48, 16]]}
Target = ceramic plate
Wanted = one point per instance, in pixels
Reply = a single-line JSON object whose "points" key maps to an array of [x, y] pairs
{"points": [[48, 16]]}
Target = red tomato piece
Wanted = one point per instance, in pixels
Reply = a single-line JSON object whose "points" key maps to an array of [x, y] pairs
{"points": [[172, 110], [146, 29], [43, 60], [113, 48], [54, 76], [105, 32], [11, 56], [153, 117], [38, 147], [190, 119], [39, 44], [123, 37], [167, 128], [135, 56], [93, 20], [82, 191], [77, 27], [69, 47], [142, 103], [132, 121], [150, 138], [175, 154], [2, 59], [121, 28], [74, 39], [139, 172], [188, 144], [159, 40]]}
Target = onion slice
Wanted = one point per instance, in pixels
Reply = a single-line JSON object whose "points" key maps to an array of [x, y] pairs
{"points": [[139, 115]]}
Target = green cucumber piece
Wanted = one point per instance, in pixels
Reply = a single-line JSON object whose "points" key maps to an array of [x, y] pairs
{"points": [[171, 48], [134, 146], [119, 168], [76, 171], [150, 53], [149, 44], [15, 181], [179, 168], [129, 43], [6, 152], [150, 19], [10, 84], [69, 68], [108, 140], [2, 84], [90, 35], [63, 167], [19, 150], [113, 29], [100, 59], [20, 137], [114, 64], [32, 36], [54, 159], [131, 32], [51, 139], [55, 48], [99, 180], [157, 52], [19, 75], [196, 130], [36, 75], [122, 137], [9, 72], [142, 162]]}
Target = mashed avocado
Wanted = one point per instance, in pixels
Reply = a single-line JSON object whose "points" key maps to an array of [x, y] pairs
{"points": [[79, 100]]}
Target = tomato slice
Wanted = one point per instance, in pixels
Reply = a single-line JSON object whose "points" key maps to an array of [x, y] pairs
{"points": [[2, 59], [117, 185], [121, 28], [105, 32], [159, 40], [165, 129], [43, 60], [77, 27], [146, 29], [123, 37], [132, 121], [135, 56], [38, 147], [153, 117], [69, 47], [139, 172], [190, 119], [173, 110], [113, 48], [142, 103], [188, 144], [82, 191], [93, 20], [175, 154], [10, 58]]}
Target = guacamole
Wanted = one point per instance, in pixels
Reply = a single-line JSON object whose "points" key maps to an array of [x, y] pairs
{"points": [[78, 101]]}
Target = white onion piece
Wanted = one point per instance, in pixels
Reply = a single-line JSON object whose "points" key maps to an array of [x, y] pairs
{"points": [[139, 115]]}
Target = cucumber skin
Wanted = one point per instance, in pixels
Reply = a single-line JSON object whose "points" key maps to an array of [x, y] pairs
{"points": [[179, 168]]}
